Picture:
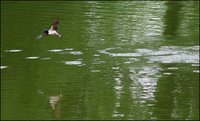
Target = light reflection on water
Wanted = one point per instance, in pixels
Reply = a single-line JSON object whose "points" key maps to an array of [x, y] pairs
{"points": [[73, 62], [4, 67], [165, 54], [13, 51], [118, 90], [32, 57], [144, 79]]}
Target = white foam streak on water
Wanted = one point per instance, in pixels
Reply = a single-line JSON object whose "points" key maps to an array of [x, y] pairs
{"points": [[95, 71], [73, 62], [45, 58], [172, 68], [106, 51], [55, 50], [96, 55], [196, 71], [32, 58], [165, 54], [13, 51], [167, 73], [115, 68], [181, 58], [124, 54], [118, 115], [169, 50], [196, 64], [4, 67], [68, 49], [76, 53]]}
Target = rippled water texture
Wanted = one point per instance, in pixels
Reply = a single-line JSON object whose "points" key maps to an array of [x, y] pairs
{"points": [[114, 60]]}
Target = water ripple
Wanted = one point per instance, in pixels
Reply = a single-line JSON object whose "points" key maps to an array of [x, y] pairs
{"points": [[144, 81], [4, 67], [13, 51], [76, 53], [46, 58], [32, 57], [165, 54], [73, 62], [55, 50], [95, 71]]}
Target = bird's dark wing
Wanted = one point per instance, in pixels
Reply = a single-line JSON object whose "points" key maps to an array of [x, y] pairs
{"points": [[55, 24]]}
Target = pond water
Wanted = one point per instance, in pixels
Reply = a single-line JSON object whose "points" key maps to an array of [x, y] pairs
{"points": [[114, 60]]}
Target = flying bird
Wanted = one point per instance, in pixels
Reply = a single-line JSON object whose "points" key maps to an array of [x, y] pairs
{"points": [[52, 30]]}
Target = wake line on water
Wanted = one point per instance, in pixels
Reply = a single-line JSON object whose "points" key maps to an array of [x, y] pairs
{"points": [[39, 37]]}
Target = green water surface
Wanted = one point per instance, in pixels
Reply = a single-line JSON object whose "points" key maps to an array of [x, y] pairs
{"points": [[114, 60]]}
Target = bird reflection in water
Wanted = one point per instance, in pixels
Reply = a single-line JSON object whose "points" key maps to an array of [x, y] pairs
{"points": [[54, 101]]}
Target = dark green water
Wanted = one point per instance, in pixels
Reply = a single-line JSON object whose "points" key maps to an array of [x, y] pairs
{"points": [[115, 60]]}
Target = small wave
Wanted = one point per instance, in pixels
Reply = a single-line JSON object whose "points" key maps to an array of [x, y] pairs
{"points": [[4, 67], [45, 58], [164, 54], [55, 50], [167, 73], [172, 68], [13, 51], [196, 64], [196, 71], [96, 55], [124, 54], [95, 71], [76, 53], [118, 115], [32, 58], [181, 58], [68, 49], [73, 62]]}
